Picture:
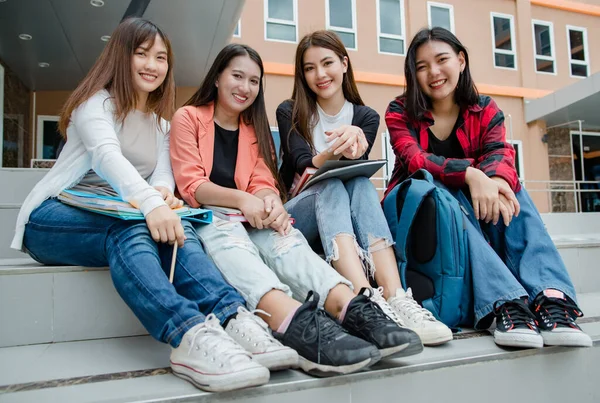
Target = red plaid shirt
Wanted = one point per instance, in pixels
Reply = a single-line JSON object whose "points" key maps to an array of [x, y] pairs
{"points": [[481, 134]]}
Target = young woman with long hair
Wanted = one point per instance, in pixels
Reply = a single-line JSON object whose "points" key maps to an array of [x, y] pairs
{"points": [[222, 154], [324, 120], [117, 141], [443, 125]]}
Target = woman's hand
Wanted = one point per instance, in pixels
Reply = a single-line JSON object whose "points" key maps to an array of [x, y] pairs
{"points": [[169, 198], [508, 198], [485, 195], [165, 226], [278, 218], [253, 208], [350, 141]]}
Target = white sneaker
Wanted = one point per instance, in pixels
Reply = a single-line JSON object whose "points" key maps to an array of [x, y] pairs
{"points": [[252, 333], [213, 361], [413, 316]]}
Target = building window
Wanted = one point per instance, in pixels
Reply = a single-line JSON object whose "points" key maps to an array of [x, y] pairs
{"points": [[341, 18], [238, 29], [440, 15], [543, 40], [48, 137], [518, 146], [390, 26], [578, 51], [586, 166], [503, 34], [280, 20]]}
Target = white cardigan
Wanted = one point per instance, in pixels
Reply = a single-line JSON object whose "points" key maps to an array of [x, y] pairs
{"points": [[93, 144]]}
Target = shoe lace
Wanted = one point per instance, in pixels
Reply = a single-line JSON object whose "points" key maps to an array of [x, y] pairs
{"points": [[325, 326], [411, 307], [561, 312], [385, 306], [213, 338], [373, 314], [517, 312], [257, 329]]}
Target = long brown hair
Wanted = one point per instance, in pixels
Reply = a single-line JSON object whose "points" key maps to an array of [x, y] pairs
{"points": [[304, 99], [112, 71], [255, 115]]}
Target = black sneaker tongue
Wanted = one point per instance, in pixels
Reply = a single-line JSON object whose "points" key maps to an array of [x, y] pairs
{"points": [[358, 300]]}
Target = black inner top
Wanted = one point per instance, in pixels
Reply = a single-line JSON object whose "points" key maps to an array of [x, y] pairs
{"points": [[225, 157], [449, 148]]}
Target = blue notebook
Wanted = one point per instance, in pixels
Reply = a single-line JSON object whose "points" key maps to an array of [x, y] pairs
{"points": [[116, 207]]}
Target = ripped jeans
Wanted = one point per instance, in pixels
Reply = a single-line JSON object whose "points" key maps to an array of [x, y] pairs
{"points": [[257, 261], [332, 207]]}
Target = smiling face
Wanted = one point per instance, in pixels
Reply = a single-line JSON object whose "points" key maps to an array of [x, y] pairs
{"points": [[149, 67], [238, 85], [438, 69], [324, 72]]}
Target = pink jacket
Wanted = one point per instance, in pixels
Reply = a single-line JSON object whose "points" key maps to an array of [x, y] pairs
{"points": [[192, 150]]}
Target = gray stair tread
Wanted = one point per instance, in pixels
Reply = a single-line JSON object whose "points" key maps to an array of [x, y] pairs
{"points": [[122, 356], [576, 240], [26, 265]]}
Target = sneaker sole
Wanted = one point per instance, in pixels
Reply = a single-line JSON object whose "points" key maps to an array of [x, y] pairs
{"points": [[518, 340], [222, 383], [414, 346], [568, 339], [277, 361], [436, 339], [323, 371]]}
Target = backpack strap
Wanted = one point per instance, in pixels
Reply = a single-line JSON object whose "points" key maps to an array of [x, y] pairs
{"points": [[416, 190]]}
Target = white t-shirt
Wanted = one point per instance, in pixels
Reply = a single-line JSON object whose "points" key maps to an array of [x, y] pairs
{"points": [[328, 122]]}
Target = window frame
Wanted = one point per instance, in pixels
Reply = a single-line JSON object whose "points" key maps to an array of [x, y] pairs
{"points": [[583, 30], [392, 36], [238, 28], [354, 29], [520, 161], [513, 52], [268, 20], [552, 58], [449, 7]]}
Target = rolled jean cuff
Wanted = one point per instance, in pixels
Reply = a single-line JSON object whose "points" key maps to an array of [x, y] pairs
{"points": [[484, 311], [254, 298], [325, 288]]}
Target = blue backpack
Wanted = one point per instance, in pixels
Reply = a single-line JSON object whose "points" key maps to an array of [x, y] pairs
{"points": [[428, 224]]}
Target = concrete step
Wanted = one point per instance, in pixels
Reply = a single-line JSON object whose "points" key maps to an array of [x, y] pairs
{"points": [[135, 369], [8, 218], [45, 304], [20, 181]]}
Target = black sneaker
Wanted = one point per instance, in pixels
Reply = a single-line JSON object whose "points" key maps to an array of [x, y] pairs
{"points": [[515, 325], [365, 319], [324, 347], [556, 316]]}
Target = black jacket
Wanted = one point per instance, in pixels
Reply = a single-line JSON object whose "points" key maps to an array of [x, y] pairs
{"points": [[296, 152]]}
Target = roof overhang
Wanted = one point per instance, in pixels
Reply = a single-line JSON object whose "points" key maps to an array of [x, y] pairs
{"points": [[579, 101], [66, 35]]}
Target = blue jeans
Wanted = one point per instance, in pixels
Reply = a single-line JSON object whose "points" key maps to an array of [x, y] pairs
{"points": [[519, 261], [332, 207], [58, 234]]}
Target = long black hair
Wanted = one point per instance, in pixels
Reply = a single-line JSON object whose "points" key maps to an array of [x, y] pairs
{"points": [[255, 115], [416, 102]]}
